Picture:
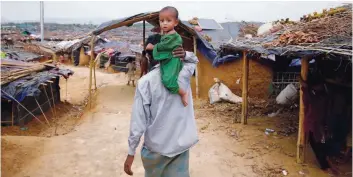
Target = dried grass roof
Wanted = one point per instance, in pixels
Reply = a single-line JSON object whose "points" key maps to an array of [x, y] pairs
{"points": [[331, 34]]}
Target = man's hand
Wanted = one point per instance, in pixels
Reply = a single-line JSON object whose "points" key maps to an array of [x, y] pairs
{"points": [[149, 46], [128, 164], [179, 52]]}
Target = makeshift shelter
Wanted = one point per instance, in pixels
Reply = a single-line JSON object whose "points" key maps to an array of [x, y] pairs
{"points": [[28, 89], [327, 38], [206, 51], [188, 35], [226, 66], [21, 55]]}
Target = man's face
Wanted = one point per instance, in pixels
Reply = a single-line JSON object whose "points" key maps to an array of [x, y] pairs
{"points": [[167, 20], [156, 30]]}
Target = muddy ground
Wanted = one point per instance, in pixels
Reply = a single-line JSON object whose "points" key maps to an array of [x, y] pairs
{"points": [[83, 142]]}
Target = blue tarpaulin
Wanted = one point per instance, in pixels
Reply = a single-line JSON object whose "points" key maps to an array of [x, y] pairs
{"points": [[297, 62], [29, 85], [212, 55]]}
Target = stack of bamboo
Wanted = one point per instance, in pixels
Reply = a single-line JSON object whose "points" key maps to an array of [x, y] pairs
{"points": [[12, 70]]}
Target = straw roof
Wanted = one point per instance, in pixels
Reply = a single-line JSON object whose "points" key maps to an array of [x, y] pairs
{"points": [[329, 34]]}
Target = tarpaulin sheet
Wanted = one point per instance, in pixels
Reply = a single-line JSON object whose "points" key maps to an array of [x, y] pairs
{"points": [[20, 55], [29, 85], [212, 55], [297, 62]]}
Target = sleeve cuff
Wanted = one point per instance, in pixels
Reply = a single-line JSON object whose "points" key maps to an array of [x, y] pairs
{"points": [[131, 152]]}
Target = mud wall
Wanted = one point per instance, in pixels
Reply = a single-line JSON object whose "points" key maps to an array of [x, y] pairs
{"points": [[84, 59], [260, 77]]}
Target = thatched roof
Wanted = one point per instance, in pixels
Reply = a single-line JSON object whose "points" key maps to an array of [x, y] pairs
{"points": [[329, 34]]}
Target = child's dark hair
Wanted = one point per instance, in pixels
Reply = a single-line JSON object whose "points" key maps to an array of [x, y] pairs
{"points": [[175, 11], [143, 53]]}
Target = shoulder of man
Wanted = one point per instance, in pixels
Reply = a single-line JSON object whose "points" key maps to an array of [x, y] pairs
{"points": [[154, 39]]}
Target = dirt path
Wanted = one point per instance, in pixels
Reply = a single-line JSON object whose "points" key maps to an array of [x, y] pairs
{"points": [[98, 144]]}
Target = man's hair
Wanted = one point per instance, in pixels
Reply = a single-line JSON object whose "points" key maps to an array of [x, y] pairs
{"points": [[173, 9]]}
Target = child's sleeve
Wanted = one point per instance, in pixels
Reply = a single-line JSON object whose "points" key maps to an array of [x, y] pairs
{"points": [[166, 44], [164, 48]]}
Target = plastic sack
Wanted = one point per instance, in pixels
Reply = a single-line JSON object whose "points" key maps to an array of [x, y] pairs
{"points": [[287, 95], [213, 94], [268, 28], [264, 29], [227, 95]]}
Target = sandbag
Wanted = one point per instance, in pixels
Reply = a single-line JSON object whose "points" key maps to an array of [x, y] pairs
{"points": [[287, 95], [213, 94], [227, 95]]}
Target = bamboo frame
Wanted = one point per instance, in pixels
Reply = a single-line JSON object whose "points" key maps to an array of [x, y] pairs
{"points": [[46, 119], [12, 113], [46, 94], [244, 110], [91, 64], [128, 22], [196, 70], [144, 35], [52, 95], [23, 107], [301, 131], [94, 75], [20, 118]]}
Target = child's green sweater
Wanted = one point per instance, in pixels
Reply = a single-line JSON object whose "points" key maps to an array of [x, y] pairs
{"points": [[169, 65]]}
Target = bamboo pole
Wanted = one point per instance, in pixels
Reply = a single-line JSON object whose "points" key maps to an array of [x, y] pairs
{"points": [[91, 64], [196, 71], [129, 22], [94, 75], [46, 119], [144, 35], [12, 113], [52, 96], [46, 94], [56, 117], [66, 90], [301, 131], [244, 110]]}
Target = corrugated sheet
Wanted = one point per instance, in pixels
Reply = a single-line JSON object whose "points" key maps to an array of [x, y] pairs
{"points": [[209, 24]]}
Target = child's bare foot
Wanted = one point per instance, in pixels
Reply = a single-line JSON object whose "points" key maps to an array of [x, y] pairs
{"points": [[184, 99]]}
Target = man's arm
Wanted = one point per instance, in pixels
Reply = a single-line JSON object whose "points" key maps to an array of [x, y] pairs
{"points": [[190, 63], [138, 124], [140, 114]]}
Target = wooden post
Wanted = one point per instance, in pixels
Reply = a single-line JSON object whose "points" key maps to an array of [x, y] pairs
{"points": [[91, 63], [301, 132], [144, 35], [196, 71], [55, 59], [244, 110], [94, 75], [12, 113]]}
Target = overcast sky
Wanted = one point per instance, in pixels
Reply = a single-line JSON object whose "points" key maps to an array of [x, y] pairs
{"points": [[97, 12]]}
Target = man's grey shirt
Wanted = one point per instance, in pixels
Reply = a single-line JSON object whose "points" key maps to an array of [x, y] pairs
{"points": [[169, 128]]}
